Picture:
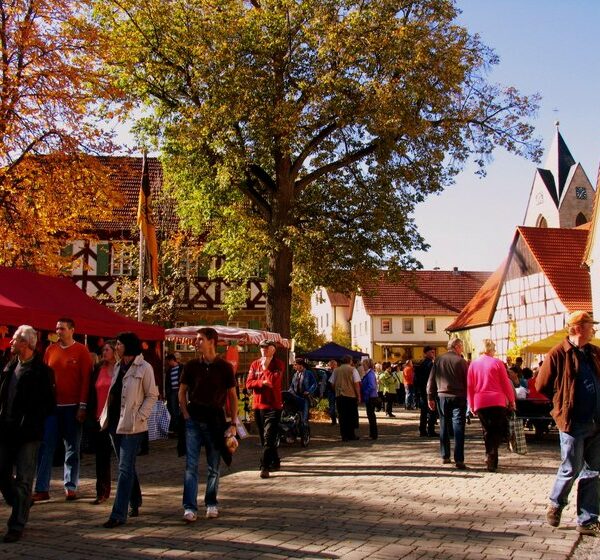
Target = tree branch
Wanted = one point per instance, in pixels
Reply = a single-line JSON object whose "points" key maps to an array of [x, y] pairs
{"points": [[247, 188], [264, 178], [335, 165], [315, 141]]}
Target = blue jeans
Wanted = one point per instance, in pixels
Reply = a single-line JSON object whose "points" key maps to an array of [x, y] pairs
{"points": [[63, 424], [580, 460], [409, 399], [126, 448], [453, 412], [197, 434], [17, 490]]}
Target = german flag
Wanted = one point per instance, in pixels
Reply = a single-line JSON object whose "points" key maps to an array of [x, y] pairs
{"points": [[146, 224]]}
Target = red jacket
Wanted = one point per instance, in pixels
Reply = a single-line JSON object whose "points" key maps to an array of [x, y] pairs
{"points": [[556, 380], [266, 397]]}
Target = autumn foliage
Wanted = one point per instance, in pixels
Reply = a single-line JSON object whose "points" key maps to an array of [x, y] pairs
{"points": [[50, 125]]}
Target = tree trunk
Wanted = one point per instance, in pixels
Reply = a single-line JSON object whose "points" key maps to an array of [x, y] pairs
{"points": [[279, 292]]}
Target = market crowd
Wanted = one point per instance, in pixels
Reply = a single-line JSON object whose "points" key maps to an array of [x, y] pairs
{"points": [[51, 398]]}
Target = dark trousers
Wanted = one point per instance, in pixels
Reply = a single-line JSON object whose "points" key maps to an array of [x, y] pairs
{"points": [[390, 398], [267, 422], [370, 406], [331, 406], [103, 448], [494, 423], [173, 407], [17, 489], [348, 416], [427, 417]]}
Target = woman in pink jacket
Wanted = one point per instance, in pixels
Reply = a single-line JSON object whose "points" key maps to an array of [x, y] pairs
{"points": [[491, 397]]}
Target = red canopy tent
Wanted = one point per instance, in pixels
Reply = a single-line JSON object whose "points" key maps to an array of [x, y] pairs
{"points": [[38, 300]]}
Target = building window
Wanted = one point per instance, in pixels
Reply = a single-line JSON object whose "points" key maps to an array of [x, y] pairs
{"points": [[386, 326], [429, 325], [327, 319], [407, 325], [122, 258]]}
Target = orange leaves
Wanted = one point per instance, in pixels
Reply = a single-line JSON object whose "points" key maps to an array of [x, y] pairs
{"points": [[49, 113]]}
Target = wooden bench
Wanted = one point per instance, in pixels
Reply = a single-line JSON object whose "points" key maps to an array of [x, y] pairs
{"points": [[535, 413]]}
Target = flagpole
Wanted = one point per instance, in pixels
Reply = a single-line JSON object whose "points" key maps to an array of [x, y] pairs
{"points": [[141, 277], [142, 252]]}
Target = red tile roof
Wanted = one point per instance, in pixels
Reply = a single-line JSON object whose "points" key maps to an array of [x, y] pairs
{"points": [[337, 299], [126, 174], [479, 311], [422, 292], [558, 252]]}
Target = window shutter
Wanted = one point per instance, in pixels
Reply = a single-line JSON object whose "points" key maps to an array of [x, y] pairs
{"points": [[102, 259]]}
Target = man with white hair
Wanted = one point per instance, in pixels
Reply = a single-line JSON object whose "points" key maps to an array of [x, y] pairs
{"points": [[26, 399], [570, 377], [447, 390]]}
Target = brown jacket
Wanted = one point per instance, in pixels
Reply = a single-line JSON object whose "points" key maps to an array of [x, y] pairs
{"points": [[556, 380], [344, 385]]}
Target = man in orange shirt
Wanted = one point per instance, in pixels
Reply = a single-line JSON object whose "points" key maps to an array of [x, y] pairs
{"points": [[72, 366]]}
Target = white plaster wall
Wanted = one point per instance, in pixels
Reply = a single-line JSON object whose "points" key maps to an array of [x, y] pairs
{"points": [[322, 310], [361, 327], [541, 202]]}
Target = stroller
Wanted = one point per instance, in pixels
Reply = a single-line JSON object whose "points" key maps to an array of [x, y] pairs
{"points": [[291, 427]]}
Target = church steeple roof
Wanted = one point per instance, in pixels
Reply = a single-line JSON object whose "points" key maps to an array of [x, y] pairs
{"points": [[556, 168]]}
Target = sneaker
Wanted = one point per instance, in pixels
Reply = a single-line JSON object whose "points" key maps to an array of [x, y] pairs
{"points": [[70, 495], [40, 497], [212, 512], [189, 516], [592, 529], [553, 514]]}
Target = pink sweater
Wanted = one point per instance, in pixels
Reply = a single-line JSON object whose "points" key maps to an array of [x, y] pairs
{"points": [[488, 384]]}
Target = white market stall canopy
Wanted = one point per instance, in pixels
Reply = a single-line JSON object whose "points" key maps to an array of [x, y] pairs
{"points": [[187, 335], [542, 346]]}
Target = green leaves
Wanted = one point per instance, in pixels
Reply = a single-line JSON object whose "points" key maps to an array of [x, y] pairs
{"points": [[311, 127]]}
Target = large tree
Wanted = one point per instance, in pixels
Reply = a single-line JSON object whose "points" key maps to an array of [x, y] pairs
{"points": [[303, 132], [50, 189]]}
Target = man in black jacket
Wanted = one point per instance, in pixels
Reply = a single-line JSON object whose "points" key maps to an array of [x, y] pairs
{"points": [[428, 417], [26, 399]]}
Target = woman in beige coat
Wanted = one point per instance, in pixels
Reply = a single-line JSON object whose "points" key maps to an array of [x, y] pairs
{"points": [[130, 401]]}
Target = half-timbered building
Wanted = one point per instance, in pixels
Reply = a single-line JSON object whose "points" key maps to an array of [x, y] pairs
{"points": [[101, 263], [530, 295]]}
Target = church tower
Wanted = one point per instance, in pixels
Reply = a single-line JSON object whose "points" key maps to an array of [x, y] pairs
{"points": [[561, 194]]}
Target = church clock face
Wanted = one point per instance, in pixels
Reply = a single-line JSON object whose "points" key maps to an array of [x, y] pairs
{"points": [[539, 198], [581, 193]]}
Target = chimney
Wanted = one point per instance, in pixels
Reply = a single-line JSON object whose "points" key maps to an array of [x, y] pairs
{"points": [[455, 270]]}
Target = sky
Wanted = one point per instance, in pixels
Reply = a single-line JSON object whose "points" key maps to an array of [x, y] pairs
{"points": [[547, 46]]}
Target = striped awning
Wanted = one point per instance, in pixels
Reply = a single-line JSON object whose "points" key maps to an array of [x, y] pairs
{"points": [[187, 335]]}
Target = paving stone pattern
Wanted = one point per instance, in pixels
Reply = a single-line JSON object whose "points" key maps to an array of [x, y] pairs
{"points": [[385, 500]]}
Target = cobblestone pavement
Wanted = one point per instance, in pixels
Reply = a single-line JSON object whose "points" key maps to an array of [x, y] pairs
{"points": [[387, 499]]}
